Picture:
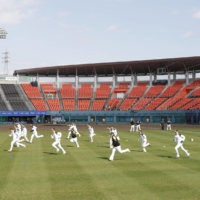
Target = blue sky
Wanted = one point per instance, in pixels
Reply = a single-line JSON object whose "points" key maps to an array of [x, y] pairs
{"points": [[57, 32]]}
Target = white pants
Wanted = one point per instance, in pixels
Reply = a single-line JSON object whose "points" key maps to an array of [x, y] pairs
{"points": [[132, 128], [91, 136], [180, 145], [24, 134], [17, 143], [119, 150], [169, 127], [36, 135], [138, 127], [144, 144], [75, 140], [58, 146]]}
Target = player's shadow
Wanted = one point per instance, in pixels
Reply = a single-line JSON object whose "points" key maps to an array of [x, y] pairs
{"points": [[104, 158], [50, 153], [136, 150], [69, 146], [164, 156], [104, 146]]}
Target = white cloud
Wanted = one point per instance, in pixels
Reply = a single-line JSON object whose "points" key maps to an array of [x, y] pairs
{"points": [[188, 34], [13, 11], [112, 28], [196, 14], [175, 12]]}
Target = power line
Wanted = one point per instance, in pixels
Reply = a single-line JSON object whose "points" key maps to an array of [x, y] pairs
{"points": [[3, 33]]}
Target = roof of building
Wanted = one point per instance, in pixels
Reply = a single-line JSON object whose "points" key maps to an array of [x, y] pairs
{"points": [[139, 67]]}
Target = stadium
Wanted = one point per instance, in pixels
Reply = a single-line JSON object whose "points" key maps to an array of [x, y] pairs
{"points": [[81, 93], [61, 124]]}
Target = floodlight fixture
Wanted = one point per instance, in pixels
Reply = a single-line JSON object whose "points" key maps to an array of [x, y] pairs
{"points": [[3, 33]]}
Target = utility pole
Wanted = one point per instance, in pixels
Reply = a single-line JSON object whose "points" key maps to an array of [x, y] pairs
{"points": [[5, 61], [3, 33]]}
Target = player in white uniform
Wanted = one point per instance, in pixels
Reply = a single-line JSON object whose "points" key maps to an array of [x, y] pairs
{"points": [[179, 139], [143, 139], [91, 132], [15, 139], [116, 146], [57, 137], [73, 126], [34, 133], [74, 137], [24, 132]]}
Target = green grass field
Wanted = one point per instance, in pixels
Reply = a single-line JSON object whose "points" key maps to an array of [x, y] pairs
{"points": [[39, 173]]}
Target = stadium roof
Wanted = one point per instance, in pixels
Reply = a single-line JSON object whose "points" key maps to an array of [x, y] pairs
{"points": [[140, 67]]}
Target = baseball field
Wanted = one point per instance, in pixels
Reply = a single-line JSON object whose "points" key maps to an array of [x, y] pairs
{"points": [[38, 172]]}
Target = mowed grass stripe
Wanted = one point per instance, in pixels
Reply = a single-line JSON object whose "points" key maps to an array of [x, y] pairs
{"points": [[70, 179], [105, 174], [27, 178]]}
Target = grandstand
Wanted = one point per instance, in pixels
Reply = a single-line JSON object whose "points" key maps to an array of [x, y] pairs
{"points": [[116, 97]]}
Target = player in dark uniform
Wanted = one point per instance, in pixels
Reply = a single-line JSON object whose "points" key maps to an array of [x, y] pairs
{"points": [[116, 147], [132, 125], [162, 124], [169, 127], [74, 137]]}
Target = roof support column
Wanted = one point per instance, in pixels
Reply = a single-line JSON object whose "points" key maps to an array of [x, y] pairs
{"points": [[135, 79], [150, 77], [132, 80], [95, 81], [114, 80], [169, 80], [37, 79], [193, 75], [187, 77], [17, 78], [174, 76], [155, 77], [57, 79]]}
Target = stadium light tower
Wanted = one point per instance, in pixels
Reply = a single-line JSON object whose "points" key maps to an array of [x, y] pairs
{"points": [[3, 33]]}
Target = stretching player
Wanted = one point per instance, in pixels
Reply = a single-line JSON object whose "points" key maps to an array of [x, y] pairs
{"points": [[116, 147], [73, 126], [114, 131], [91, 132], [34, 133], [74, 137], [143, 139], [179, 139], [57, 137], [15, 139]]}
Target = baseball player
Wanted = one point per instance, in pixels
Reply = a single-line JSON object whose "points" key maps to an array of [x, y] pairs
{"points": [[138, 127], [74, 137], [34, 133], [169, 127], [179, 139], [15, 139], [143, 139], [57, 137], [116, 147], [132, 125], [91, 132]]}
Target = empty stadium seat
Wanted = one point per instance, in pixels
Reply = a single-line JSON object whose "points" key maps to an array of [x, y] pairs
{"points": [[85, 91], [67, 91], [142, 102], [54, 104], [127, 103], [98, 104], [69, 104], [103, 91], [155, 103], [83, 104], [154, 91], [31, 92], [39, 104], [138, 91], [48, 88]]}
